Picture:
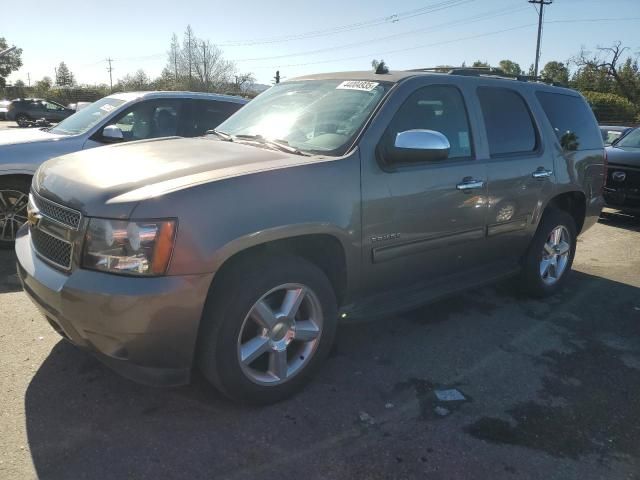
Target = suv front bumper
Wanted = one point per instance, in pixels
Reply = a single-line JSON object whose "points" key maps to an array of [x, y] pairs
{"points": [[144, 328]]}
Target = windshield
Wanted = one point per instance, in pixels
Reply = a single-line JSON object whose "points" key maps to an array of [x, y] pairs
{"points": [[630, 140], [313, 116], [86, 118]]}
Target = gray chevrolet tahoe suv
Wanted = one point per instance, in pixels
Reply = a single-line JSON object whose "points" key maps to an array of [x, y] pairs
{"points": [[337, 196]]}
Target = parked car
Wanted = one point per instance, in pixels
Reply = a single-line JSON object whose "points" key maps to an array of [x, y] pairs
{"points": [[612, 133], [622, 188], [344, 195], [113, 119], [27, 111], [4, 105]]}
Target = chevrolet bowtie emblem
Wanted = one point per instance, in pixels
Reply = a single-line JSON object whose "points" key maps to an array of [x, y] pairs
{"points": [[33, 215]]}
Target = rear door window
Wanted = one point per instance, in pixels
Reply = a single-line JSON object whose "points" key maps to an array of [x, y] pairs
{"points": [[572, 120], [508, 121], [207, 115]]}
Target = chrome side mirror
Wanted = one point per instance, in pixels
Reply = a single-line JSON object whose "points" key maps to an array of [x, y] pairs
{"points": [[112, 133], [420, 146]]}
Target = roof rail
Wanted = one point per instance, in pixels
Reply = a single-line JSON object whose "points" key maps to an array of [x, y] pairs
{"points": [[483, 72]]}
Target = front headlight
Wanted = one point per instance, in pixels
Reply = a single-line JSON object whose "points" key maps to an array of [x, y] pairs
{"points": [[134, 248]]}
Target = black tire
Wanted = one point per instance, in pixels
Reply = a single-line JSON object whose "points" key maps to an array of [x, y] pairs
{"points": [[23, 120], [531, 278], [231, 299], [8, 187]]}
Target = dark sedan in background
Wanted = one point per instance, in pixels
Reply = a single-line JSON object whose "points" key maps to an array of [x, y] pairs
{"points": [[622, 189], [27, 111]]}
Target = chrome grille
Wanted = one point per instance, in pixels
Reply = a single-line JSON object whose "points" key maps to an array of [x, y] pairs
{"points": [[59, 213], [52, 248]]}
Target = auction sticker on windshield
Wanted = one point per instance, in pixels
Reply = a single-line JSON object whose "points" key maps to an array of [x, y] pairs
{"points": [[107, 108], [357, 85]]}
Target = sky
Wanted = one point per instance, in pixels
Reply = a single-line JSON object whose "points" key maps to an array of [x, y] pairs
{"points": [[300, 38]]}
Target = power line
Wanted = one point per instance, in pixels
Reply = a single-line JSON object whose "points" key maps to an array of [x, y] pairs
{"points": [[393, 18], [476, 18], [446, 42], [542, 4]]}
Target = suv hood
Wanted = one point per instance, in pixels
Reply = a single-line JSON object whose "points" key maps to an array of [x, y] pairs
{"points": [[110, 181], [629, 157], [26, 135]]}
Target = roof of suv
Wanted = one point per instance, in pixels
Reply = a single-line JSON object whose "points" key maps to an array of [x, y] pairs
{"points": [[400, 75], [128, 96]]}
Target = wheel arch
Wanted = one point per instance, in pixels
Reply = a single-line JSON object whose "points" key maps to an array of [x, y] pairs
{"points": [[573, 202], [325, 249]]}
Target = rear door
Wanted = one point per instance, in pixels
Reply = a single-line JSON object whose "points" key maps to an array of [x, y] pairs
{"points": [[419, 222], [520, 172]]}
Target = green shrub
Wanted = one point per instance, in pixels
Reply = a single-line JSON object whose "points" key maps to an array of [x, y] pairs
{"points": [[611, 108]]}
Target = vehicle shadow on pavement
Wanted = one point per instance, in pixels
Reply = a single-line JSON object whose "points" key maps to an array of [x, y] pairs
{"points": [[9, 281], [543, 365]]}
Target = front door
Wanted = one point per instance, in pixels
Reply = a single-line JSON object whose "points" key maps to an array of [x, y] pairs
{"points": [[423, 220]]}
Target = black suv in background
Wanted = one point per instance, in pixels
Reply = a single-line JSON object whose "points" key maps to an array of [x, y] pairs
{"points": [[622, 188], [26, 111]]}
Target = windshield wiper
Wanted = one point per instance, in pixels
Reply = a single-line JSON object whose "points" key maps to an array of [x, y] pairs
{"points": [[222, 135], [281, 145]]}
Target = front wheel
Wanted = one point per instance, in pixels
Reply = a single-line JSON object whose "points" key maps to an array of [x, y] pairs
{"points": [[548, 260], [268, 325], [14, 197]]}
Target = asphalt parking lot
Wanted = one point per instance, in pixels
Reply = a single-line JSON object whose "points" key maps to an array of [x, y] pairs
{"points": [[551, 391]]}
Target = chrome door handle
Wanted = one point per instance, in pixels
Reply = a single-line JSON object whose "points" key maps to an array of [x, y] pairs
{"points": [[470, 184], [542, 173]]}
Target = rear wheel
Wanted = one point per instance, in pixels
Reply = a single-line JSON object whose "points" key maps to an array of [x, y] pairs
{"points": [[267, 328], [550, 256], [14, 196], [23, 120]]}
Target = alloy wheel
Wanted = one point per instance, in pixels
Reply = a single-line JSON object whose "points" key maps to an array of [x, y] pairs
{"points": [[280, 334], [555, 255], [22, 121], [13, 213]]}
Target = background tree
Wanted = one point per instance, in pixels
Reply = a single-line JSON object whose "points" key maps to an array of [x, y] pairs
{"points": [[379, 66], [42, 87], [10, 62], [510, 67], [198, 65], [480, 64], [64, 77], [607, 62], [611, 108], [134, 82], [556, 72], [173, 62]]}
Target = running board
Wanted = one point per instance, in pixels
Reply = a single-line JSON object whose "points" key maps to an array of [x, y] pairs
{"points": [[409, 298]]}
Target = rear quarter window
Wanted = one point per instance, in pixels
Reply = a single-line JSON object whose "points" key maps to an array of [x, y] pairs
{"points": [[572, 120]]}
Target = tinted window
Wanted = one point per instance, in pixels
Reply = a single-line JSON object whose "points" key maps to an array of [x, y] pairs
{"points": [[507, 120], [207, 115], [440, 108], [572, 120]]}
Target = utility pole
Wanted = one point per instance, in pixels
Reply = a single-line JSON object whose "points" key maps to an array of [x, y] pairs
{"points": [[110, 69], [55, 69], [277, 77], [29, 78], [542, 3]]}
